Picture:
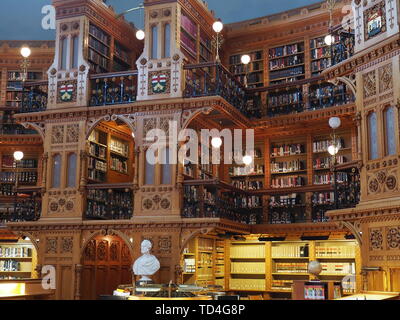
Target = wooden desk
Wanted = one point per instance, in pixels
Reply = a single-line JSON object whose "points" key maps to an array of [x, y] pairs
{"points": [[29, 289]]}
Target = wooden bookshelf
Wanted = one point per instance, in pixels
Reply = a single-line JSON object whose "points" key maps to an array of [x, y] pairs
{"points": [[286, 63], [110, 155], [274, 266], [17, 260], [248, 261], [254, 71], [203, 262]]}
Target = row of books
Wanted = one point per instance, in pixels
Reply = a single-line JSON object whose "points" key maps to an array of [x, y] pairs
{"points": [[15, 252], [285, 50], [10, 265], [287, 73], [340, 268], [284, 99], [285, 62], [248, 267], [237, 59], [282, 284], [6, 190], [287, 150], [248, 185], [205, 259], [320, 42], [327, 91], [285, 200], [99, 34], [291, 267], [99, 46], [121, 53], [24, 177], [119, 147], [322, 146], [119, 165], [244, 171], [98, 59], [189, 265], [321, 198], [98, 151], [247, 284], [188, 43], [319, 65], [9, 162], [17, 75], [326, 251], [290, 251], [97, 164], [205, 244], [252, 67], [287, 182], [116, 199], [96, 175], [325, 163], [322, 52], [243, 251], [189, 25], [288, 166], [328, 178]]}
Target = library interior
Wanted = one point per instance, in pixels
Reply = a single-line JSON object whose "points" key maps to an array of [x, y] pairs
{"points": [[311, 213]]}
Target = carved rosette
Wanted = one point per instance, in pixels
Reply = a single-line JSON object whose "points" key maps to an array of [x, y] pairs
{"points": [[376, 239]]}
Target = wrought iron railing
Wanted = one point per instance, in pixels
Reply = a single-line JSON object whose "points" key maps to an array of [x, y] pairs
{"points": [[113, 88], [34, 97], [109, 202], [213, 79], [26, 205], [14, 129]]}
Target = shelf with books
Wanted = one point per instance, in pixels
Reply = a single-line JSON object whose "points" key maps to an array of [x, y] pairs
{"points": [[287, 209], [320, 54], [99, 49], [324, 95], [286, 63], [285, 102], [248, 266], [254, 71], [17, 260]]}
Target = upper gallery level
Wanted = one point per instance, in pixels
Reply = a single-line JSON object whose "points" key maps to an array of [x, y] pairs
{"points": [[291, 58], [100, 61]]}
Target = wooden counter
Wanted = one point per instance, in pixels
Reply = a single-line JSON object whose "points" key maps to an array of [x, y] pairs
{"points": [[29, 289]]}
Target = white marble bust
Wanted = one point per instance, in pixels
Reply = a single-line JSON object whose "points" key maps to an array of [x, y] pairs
{"points": [[147, 265]]}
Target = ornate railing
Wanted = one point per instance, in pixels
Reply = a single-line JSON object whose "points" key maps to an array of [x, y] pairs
{"points": [[113, 88], [109, 202], [213, 79], [34, 97], [344, 48], [14, 129], [27, 206]]}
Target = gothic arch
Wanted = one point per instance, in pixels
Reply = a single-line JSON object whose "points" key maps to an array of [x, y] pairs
{"points": [[185, 238], [37, 126], [347, 81], [128, 119], [32, 237], [101, 232], [354, 227], [124, 237], [189, 115]]}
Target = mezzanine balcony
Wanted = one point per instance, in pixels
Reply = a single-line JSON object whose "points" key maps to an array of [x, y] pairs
{"points": [[24, 206], [109, 201]]}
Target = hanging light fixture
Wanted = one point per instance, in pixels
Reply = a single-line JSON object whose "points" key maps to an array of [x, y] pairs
{"points": [[330, 39], [247, 160], [245, 59], [140, 35], [216, 142]]}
